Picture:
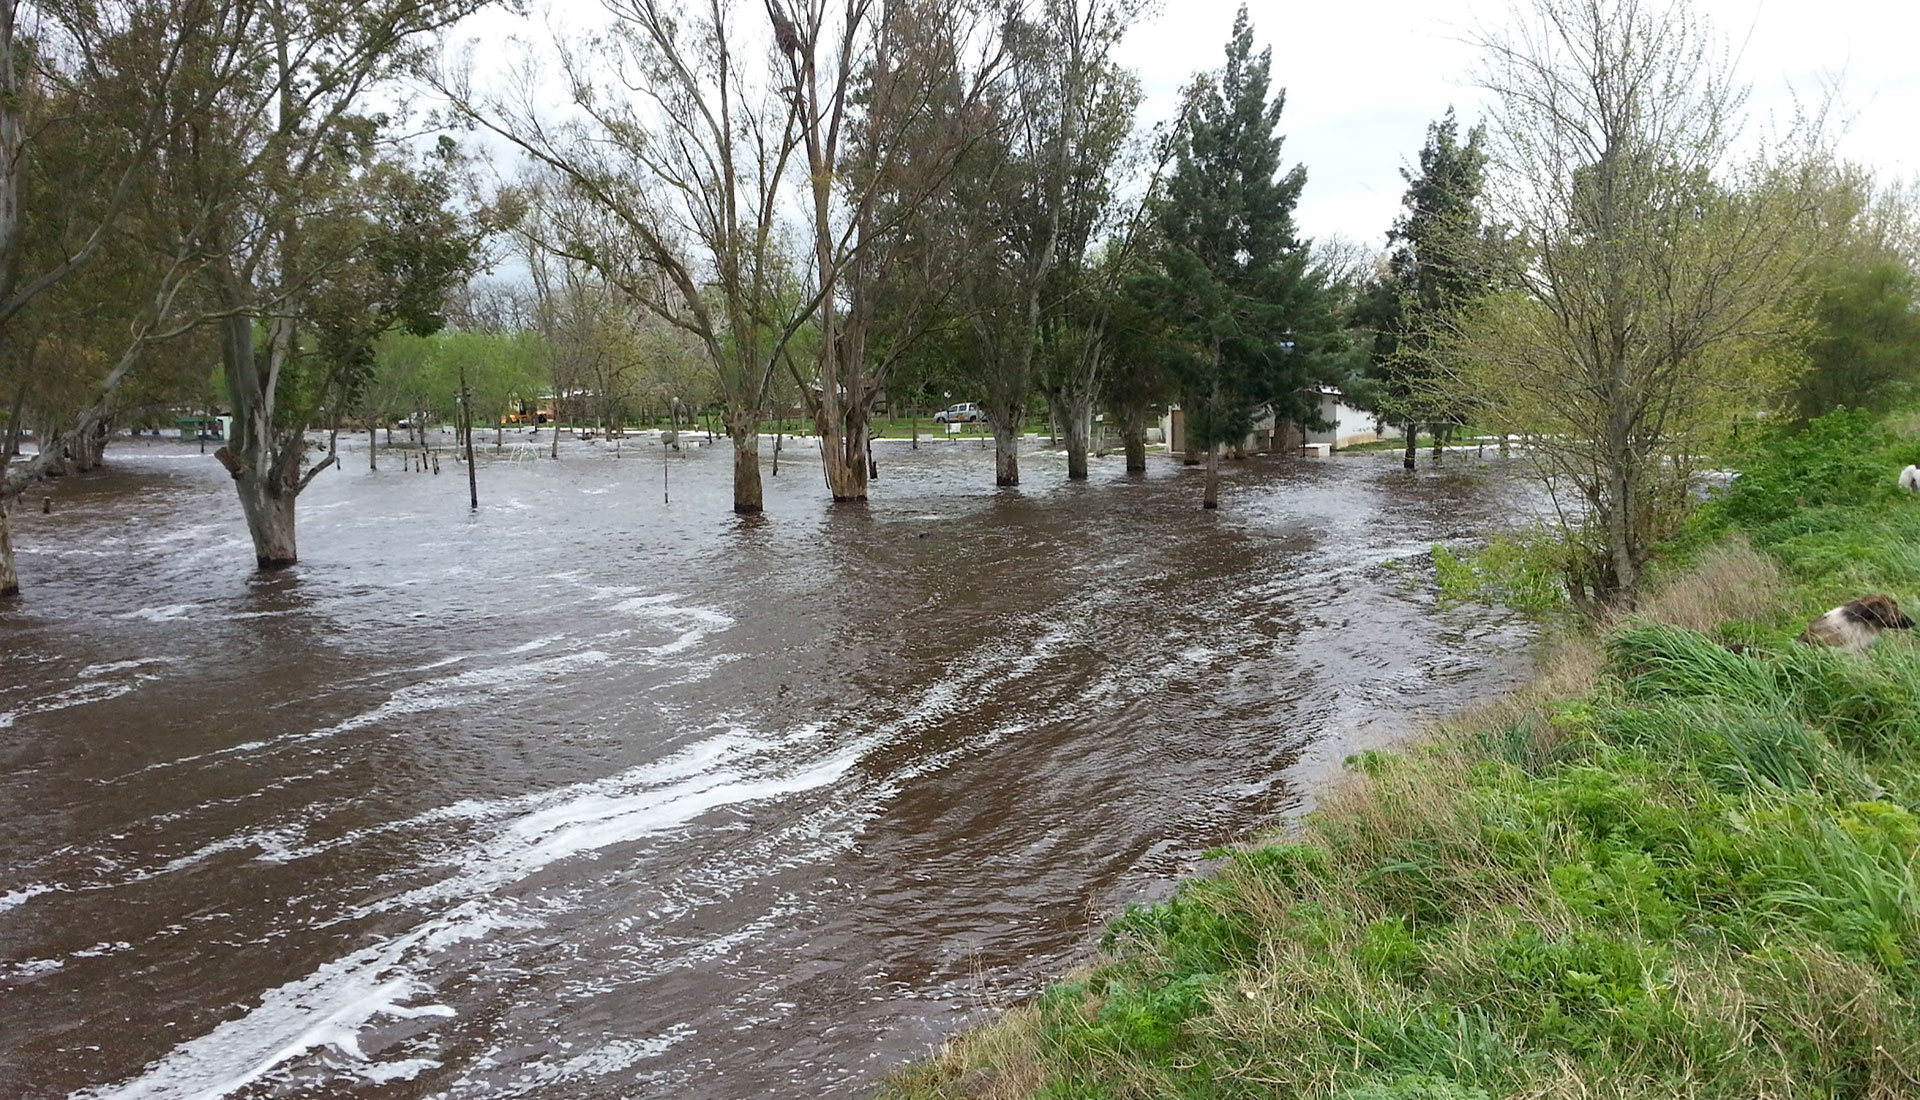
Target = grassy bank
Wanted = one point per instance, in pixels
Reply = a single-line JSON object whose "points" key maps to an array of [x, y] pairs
{"points": [[1668, 869]]}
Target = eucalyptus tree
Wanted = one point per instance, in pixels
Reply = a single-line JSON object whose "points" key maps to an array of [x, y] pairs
{"points": [[667, 180], [1643, 306], [1043, 195], [88, 92], [887, 101], [310, 235], [1249, 311]]}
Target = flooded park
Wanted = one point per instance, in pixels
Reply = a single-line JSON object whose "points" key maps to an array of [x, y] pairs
{"points": [[591, 795]]}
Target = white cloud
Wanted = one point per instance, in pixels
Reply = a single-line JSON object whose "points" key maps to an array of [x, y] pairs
{"points": [[1365, 77]]}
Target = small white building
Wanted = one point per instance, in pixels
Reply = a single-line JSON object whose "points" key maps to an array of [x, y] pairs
{"points": [[1349, 426]]}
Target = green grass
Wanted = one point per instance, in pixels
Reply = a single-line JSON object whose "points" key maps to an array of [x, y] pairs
{"points": [[1693, 873]]}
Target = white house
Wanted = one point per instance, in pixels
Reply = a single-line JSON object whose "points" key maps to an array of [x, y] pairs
{"points": [[1350, 426]]}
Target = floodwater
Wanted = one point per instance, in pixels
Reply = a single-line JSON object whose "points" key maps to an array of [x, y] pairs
{"points": [[588, 795]]}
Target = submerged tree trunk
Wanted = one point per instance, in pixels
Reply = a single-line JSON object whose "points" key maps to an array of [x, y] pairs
{"points": [[1211, 499], [263, 459], [843, 453], [269, 520], [1006, 452], [748, 495], [1077, 411], [89, 447], [59, 465], [1413, 441], [1133, 436], [9, 580], [10, 446]]}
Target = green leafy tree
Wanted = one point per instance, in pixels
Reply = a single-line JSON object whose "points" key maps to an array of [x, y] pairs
{"points": [[1862, 300], [1646, 301], [1137, 382], [1041, 192], [283, 167], [1250, 313], [1864, 347], [1430, 271]]}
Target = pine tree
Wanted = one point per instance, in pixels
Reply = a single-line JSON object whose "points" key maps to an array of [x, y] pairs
{"points": [[1429, 273], [1234, 284]]}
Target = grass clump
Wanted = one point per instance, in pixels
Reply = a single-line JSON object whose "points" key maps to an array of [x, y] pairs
{"points": [[1685, 864]]}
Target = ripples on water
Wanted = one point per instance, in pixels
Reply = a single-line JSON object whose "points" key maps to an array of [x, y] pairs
{"points": [[592, 796]]}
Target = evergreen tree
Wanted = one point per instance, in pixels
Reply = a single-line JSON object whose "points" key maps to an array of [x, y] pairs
{"points": [[1429, 273], [1249, 311]]}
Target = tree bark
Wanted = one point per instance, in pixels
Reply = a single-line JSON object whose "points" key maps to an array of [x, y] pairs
{"points": [[1212, 497], [9, 580], [373, 444], [264, 462], [1133, 434], [748, 495], [269, 520], [57, 465], [1006, 453], [88, 450], [843, 451], [1077, 411], [11, 445], [1413, 441]]}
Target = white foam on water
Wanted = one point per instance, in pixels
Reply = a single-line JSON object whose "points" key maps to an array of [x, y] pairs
{"points": [[13, 899], [92, 671], [695, 623], [329, 1008], [273, 844], [91, 691], [537, 643], [32, 968], [166, 614], [608, 1058], [326, 1009]]}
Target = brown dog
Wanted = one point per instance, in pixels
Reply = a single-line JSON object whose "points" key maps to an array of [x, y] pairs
{"points": [[1855, 626]]}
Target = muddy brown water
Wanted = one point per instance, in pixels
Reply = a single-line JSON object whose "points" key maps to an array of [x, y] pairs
{"points": [[592, 796]]}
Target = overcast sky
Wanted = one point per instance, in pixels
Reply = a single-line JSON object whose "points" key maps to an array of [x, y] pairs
{"points": [[1365, 77]]}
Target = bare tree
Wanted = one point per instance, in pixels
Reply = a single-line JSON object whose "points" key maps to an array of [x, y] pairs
{"points": [[668, 182], [1642, 297], [887, 102]]}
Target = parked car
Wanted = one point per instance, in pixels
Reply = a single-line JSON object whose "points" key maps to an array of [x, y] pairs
{"points": [[964, 413]]}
